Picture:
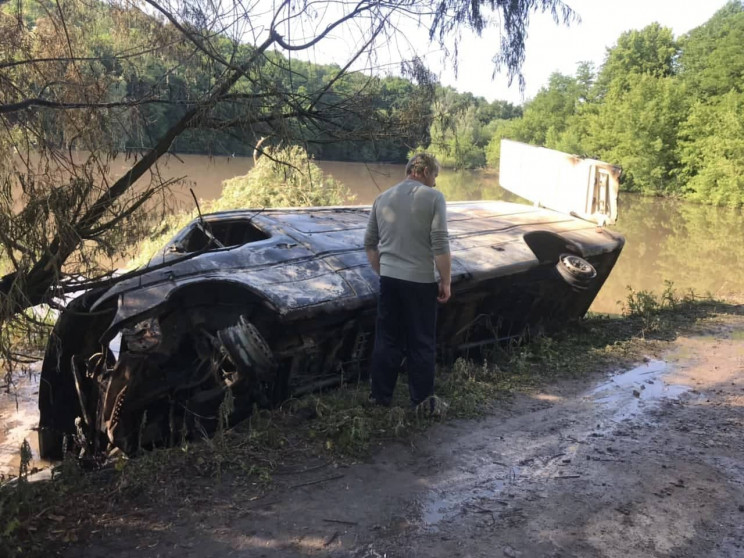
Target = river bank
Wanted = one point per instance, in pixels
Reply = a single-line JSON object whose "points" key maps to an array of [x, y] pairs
{"points": [[19, 416], [618, 438]]}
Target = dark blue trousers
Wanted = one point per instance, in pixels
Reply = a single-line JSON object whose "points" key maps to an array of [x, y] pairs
{"points": [[406, 327]]}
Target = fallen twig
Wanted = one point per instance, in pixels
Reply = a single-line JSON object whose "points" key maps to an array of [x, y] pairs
{"points": [[567, 477], [300, 471], [342, 522], [332, 538], [317, 481]]}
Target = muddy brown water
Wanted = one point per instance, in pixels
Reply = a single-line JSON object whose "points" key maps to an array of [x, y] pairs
{"points": [[698, 248]]}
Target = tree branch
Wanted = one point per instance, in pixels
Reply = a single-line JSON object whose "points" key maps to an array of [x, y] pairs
{"points": [[28, 103]]}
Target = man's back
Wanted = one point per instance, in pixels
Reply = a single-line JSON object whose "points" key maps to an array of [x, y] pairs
{"points": [[409, 228], [406, 239]]}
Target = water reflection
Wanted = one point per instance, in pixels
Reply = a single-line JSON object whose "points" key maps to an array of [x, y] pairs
{"points": [[473, 185], [695, 246]]}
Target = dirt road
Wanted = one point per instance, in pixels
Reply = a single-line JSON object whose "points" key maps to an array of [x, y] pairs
{"points": [[649, 462]]}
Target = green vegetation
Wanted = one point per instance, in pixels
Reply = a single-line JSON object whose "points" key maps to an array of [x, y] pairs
{"points": [[462, 125], [284, 177], [335, 427], [166, 77], [669, 111]]}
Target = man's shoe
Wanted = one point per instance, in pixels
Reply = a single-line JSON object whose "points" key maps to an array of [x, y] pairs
{"points": [[379, 402], [432, 406]]}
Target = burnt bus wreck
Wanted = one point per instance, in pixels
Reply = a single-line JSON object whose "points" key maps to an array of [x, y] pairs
{"points": [[268, 304]]}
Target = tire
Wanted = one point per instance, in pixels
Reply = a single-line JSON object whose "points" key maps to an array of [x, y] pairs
{"points": [[253, 360], [578, 273]]}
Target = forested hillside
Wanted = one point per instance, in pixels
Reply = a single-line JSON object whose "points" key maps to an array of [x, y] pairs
{"points": [[164, 77]]}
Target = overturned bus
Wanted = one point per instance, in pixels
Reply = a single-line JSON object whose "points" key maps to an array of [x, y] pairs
{"points": [[273, 303]]}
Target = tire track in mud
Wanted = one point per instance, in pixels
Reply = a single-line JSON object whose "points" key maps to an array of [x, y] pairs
{"points": [[617, 470]]}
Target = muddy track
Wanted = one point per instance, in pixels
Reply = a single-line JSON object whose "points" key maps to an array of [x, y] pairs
{"points": [[648, 463]]}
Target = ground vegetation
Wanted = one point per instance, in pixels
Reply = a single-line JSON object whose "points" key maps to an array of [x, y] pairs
{"points": [[335, 428]]}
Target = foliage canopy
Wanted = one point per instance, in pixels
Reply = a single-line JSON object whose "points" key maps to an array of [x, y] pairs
{"points": [[669, 111]]}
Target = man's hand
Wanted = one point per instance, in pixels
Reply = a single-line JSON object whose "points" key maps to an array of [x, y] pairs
{"points": [[374, 259], [444, 292], [444, 265]]}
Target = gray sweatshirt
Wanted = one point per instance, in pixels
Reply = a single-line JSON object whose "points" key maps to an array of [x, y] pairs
{"points": [[408, 225]]}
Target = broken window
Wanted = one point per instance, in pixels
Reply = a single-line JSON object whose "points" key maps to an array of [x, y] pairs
{"points": [[221, 234]]}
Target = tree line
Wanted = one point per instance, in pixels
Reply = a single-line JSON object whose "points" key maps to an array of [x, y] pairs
{"points": [[180, 57], [670, 111]]}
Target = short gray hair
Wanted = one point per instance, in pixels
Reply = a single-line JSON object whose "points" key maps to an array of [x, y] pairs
{"points": [[421, 161]]}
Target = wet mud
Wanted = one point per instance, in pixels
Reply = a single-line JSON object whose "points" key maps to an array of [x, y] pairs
{"points": [[641, 463]]}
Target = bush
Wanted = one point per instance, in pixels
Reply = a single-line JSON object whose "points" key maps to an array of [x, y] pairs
{"points": [[283, 177]]}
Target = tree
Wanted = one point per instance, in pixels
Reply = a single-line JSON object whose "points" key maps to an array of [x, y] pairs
{"points": [[650, 51], [77, 77], [544, 120], [711, 60], [636, 128], [712, 150], [457, 137]]}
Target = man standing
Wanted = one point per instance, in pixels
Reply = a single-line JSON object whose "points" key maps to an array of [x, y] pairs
{"points": [[406, 238]]}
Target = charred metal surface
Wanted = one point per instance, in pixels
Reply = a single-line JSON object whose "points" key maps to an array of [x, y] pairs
{"points": [[276, 303]]}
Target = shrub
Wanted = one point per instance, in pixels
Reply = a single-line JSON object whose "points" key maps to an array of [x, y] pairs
{"points": [[283, 177]]}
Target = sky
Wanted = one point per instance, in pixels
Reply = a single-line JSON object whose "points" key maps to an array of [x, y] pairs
{"points": [[557, 48], [550, 47]]}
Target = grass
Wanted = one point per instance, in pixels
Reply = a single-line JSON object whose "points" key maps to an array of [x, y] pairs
{"points": [[336, 426]]}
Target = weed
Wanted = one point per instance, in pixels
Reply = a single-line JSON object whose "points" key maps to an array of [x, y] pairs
{"points": [[659, 314]]}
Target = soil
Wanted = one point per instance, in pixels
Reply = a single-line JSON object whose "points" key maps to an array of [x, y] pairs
{"points": [[648, 462]]}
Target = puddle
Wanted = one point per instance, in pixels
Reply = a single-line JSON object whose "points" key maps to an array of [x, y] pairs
{"points": [[19, 415], [441, 506], [464, 493], [635, 391], [622, 397]]}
